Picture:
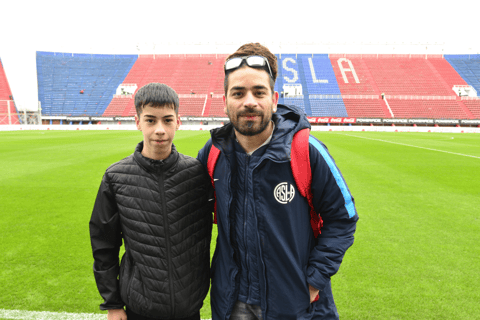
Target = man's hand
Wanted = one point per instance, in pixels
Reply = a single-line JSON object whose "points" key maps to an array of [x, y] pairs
{"points": [[116, 314], [313, 294]]}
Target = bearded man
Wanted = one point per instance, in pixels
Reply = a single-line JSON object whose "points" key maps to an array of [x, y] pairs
{"points": [[268, 262]]}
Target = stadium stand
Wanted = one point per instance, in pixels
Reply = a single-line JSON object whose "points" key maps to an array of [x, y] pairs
{"points": [[186, 74], [468, 67], [117, 105], [355, 81], [299, 102], [404, 75], [216, 107], [402, 78], [433, 109], [320, 75], [473, 106], [192, 105], [6, 94], [446, 72], [287, 75], [316, 76], [79, 84], [328, 107], [336, 85], [366, 107], [353, 75]]}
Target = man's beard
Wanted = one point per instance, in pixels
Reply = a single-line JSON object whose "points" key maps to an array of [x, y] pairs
{"points": [[249, 128]]}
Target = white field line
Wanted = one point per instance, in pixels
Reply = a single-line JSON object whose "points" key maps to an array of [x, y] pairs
{"points": [[409, 145], [45, 315]]}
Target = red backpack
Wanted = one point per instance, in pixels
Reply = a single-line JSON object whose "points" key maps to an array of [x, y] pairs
{"points": [[300, 164]]}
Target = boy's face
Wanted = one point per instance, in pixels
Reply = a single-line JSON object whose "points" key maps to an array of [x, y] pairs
{"points": [[158, 125]]}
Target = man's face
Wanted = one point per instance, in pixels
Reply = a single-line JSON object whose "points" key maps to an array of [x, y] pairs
{"points": [[249, 102], [158, 126]]}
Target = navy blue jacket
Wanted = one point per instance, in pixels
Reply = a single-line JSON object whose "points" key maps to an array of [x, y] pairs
{"points": [[289, 256]]}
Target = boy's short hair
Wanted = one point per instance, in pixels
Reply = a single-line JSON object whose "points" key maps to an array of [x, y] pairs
{"points": [[157, 95], [255, 49]]}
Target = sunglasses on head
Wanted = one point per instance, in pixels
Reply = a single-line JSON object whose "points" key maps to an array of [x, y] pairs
{"points": [[252, 61]]}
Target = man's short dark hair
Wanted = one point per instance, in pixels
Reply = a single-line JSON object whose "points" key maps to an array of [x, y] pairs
{"points": [[255, 49], [157, 95]]}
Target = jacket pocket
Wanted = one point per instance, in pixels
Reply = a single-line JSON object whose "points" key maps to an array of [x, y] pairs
{"points": [[136, 295], [126, 277], [309, 313]]}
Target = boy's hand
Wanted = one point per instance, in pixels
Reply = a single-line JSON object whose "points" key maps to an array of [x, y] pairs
{"points": [[116, 314], [313, 293]]}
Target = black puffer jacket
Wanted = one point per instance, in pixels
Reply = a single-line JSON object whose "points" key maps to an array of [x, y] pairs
{"points": [[162, 211]]}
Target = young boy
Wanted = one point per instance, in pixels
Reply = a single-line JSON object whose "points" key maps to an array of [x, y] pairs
{"points": [[157, 201]]}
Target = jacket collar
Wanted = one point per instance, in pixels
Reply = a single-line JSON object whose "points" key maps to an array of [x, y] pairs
{"points": [[152, 165], [288, 121]]}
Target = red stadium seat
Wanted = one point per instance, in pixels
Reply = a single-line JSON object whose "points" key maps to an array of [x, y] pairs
{"points": [[6, 94], [196, 75]]}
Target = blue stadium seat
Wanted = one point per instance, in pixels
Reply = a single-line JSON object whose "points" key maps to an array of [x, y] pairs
{"points": [[316, 75], [61, 76], [468, 67]]}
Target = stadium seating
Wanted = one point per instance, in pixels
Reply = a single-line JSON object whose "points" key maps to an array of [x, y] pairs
{"points": [[79, 84], [338, 85], [316, 76], [216, 108], [320, 75], [192, 106], [446, 72], [390, 74], [436, 109], [117, 106], [355, 78], [406, 76], [6, 94], [468, 67], [186, 74], [4, 113], [366, 108], [300, 102], [328, 107], [473, 106]]}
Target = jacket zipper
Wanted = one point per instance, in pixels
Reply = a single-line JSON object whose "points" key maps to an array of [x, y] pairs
{"points": [[234, 274], [167, 241], [263, 302], [245, 213]]}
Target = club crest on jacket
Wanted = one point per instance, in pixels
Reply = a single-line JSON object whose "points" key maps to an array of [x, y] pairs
{"points": [[284, 192]]}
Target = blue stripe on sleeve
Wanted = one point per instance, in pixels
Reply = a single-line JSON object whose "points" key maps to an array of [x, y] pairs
{"points": [[338, 177]]}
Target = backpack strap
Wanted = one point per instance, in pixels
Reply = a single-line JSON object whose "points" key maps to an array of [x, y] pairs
{"points": [[302, 173], [211, 162]]}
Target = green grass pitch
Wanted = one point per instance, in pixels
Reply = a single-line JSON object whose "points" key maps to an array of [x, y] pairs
{"points": [[416, 252]]}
